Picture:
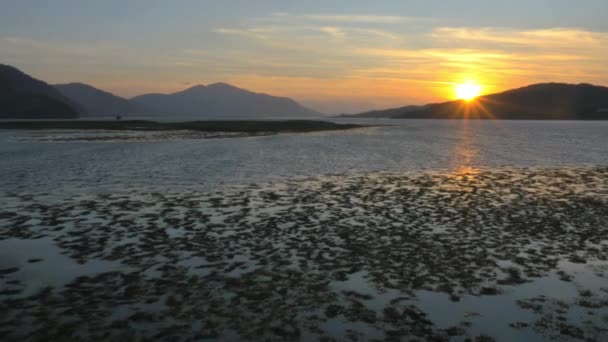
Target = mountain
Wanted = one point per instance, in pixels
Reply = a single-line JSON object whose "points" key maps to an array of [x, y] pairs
{"points": [[544, 101], [98, 102], [223, 100], [24, 97]]}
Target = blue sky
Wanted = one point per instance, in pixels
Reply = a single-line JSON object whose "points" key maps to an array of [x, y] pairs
{"points": [[332, 55]]}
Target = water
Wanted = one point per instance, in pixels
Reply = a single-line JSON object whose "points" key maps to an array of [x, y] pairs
{"points": [[211, 164], [42, 272]]}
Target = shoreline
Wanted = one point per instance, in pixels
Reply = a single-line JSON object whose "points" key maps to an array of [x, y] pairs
{"points": [[240, 126], [152, 131]]}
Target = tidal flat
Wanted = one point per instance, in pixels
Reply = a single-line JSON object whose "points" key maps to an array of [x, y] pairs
{"points": [[493, 254], [143, 130]]}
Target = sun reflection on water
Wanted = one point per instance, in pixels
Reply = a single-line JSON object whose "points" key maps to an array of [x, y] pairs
{"points": [[466, 152]]}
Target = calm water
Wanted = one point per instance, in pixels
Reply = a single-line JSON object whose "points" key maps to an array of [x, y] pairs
{"points": [[209, 164]]}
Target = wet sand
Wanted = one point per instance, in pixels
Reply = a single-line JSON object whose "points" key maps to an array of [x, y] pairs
{"points": [[501, 254]]}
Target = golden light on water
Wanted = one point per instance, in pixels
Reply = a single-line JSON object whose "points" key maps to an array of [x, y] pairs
{"points": [[467, 91], [466, 152]]}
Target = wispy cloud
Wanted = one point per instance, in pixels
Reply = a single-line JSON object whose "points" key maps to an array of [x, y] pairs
{"points": [[266, 32], [377, 32], [366, 19], [550, 37], [253, 32], [333, 31]]}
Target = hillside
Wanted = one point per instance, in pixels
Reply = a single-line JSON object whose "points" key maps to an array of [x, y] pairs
{"points": [[24, 97], [99, 103]]}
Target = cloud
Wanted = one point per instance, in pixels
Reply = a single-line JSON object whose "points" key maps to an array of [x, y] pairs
{"points": [[275, 32], [335, 32], [549, 37], [366, 19], [388, 53], [379, 33], [252, 32]]}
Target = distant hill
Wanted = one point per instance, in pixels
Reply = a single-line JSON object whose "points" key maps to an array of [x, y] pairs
{"points": [[384, 113], [223, 100], [100, 103], [24, 97], [545, 101]]}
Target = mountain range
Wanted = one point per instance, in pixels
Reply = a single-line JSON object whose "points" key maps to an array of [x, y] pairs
{"points": [[22, 96], [223, 100], [543, 101]]}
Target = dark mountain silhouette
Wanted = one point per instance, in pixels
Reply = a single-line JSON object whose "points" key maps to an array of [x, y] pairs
{"points": [[383, 113], [223, 100], [98, 102], [545, 101], [24, 97]]}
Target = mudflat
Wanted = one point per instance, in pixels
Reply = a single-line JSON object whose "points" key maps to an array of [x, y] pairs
{"points": [[506, 252]]}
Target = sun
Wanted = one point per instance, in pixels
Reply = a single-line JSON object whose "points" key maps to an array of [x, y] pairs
{"points": [[467, 91]]}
